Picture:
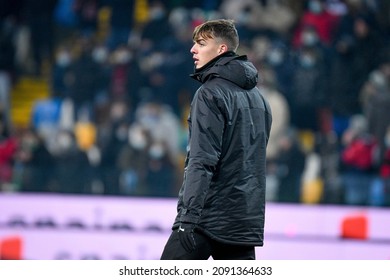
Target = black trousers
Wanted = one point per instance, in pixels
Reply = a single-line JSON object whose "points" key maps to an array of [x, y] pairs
{"points": [[205, 248]]}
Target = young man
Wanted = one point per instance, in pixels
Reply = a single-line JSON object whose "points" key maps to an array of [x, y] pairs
{"points": [[222, 199]]}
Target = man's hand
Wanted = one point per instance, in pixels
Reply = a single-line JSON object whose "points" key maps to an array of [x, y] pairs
{"points": [[186, 236]]}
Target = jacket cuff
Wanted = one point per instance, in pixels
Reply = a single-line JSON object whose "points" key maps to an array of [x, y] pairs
{"points": [[186, 218]]}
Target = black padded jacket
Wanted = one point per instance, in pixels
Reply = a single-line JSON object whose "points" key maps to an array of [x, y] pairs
{"points": [[223, 191]]}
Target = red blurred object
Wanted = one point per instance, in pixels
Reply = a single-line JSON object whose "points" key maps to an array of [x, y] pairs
{"points": [[355, 227], [11, 248]]}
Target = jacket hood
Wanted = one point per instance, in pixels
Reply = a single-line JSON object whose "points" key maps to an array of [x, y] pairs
{"points": [[231, 67]]}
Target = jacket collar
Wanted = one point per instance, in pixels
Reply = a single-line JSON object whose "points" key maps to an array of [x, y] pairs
{"points": [[199, 74]]}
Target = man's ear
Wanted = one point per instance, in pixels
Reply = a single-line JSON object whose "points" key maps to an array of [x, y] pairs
{"points": [[223, 48]]}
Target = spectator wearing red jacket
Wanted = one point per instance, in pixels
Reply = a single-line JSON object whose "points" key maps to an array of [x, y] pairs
{"points": [[317, 16], [8, 147]]}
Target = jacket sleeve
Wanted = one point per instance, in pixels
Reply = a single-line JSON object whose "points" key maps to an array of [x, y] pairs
{"points": [[205, 144]]}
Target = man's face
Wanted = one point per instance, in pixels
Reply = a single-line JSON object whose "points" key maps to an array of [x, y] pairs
{"points": [[205, 50]]}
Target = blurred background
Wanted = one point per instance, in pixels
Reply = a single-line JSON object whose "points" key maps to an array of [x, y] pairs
{"points": [[94, 99]]}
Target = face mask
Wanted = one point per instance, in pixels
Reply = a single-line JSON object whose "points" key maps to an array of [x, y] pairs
{"points": [[378, 80], [307, 61], [137, 140], [100, 54], [157, 151], [275, 57], [122, 57], [63, 59], [117, 112], [309, 38], [315, 7]]}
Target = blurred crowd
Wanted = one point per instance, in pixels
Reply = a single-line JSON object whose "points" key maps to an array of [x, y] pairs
{"points": [[115, 120]]}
